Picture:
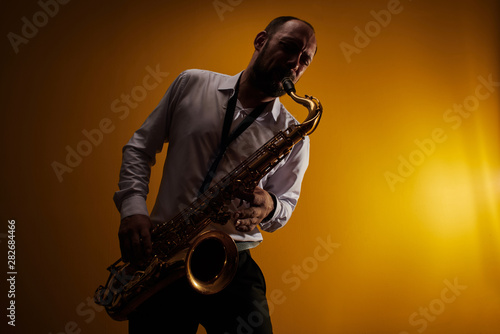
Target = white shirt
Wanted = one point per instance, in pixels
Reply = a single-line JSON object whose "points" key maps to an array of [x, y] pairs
{"points": [[189, 118]]}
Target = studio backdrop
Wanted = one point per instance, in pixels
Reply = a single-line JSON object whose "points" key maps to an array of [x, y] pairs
{"points": [[397, 228]]}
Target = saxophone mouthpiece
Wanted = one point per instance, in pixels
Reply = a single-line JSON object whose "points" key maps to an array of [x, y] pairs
{"points": [[288, 85]]}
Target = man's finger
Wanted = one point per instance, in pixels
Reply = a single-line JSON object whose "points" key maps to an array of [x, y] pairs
{"points": [[246, 195], [146, 245], [246, 225], [135, 241], [125, 248], [135, 238]]}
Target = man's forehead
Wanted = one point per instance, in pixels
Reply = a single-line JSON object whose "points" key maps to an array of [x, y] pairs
{"points": [[297, 31]]}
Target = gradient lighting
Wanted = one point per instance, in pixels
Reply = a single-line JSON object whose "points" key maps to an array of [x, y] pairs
{"points": [[399, 249], [444, 198]]}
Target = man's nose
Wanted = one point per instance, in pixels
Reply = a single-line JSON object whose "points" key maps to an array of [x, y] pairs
{"points": [[293, 62]]}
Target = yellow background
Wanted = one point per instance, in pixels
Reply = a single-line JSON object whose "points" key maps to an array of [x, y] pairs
{"points": [[397, 248]]}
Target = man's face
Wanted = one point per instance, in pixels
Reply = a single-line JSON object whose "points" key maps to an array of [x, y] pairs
{"points": [[287, 53]]}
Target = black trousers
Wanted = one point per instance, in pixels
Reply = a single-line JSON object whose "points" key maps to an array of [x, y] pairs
{"points": [[241, 308]]}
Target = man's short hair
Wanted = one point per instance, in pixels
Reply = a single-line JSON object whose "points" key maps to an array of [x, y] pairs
{"points": [[275, 24]]}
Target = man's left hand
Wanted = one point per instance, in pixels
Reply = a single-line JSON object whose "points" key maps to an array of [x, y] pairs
{"points": [[261, 205]]}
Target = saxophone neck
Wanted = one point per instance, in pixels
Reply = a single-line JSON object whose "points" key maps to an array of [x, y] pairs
{"points": [[312, 104]]}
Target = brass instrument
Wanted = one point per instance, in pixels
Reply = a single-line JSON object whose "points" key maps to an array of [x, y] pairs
{"points": [[209, 259]]}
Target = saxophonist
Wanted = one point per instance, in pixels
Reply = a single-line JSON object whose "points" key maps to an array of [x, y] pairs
{"points": [[200, 115]]}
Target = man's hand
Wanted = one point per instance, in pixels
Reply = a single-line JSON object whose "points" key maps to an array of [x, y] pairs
{"points": [[135, 238], [261, 205]]}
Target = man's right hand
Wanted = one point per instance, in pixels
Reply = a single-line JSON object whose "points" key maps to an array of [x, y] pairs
{"points": [[135, 238]]}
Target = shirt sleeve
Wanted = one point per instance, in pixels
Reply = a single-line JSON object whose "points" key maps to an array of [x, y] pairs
{"points": [[285, 183], [139, 153]]}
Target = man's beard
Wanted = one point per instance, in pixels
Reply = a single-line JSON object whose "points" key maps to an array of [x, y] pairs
{"points": [[269, 81]]}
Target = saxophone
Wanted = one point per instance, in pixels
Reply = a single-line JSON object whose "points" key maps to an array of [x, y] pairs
{"points": [[181, 247]]}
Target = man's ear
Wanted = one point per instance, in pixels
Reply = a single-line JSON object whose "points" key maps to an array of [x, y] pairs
{"points": [[260, 40]]}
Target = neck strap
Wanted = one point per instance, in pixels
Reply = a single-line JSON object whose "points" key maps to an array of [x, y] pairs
{"points": [[227, 137]]}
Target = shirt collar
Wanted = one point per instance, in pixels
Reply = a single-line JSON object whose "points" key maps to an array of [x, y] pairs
{"points": [[230, 81]]}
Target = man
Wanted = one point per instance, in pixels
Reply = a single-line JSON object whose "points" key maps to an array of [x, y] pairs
{"points": [[190, 118]]}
